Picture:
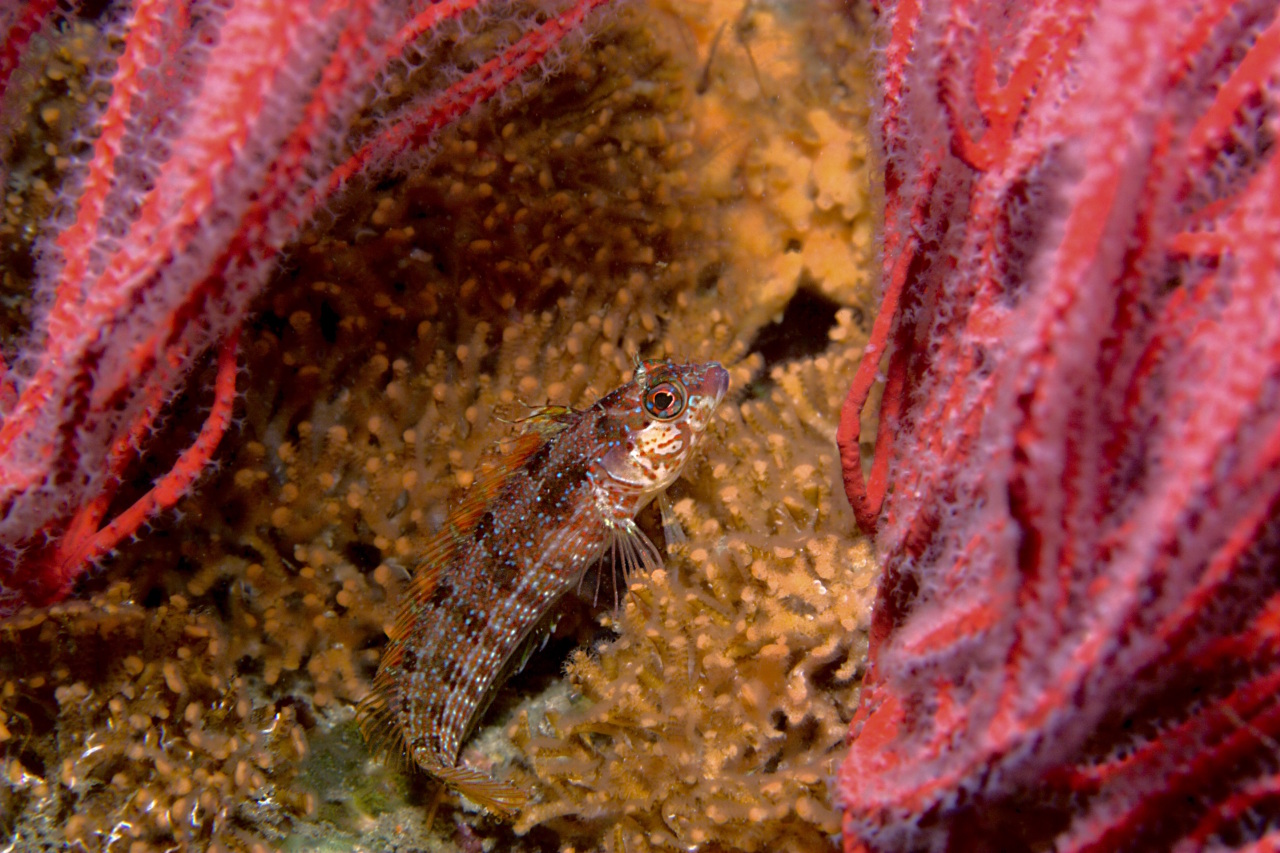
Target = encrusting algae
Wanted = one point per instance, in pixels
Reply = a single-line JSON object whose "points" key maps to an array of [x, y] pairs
{"points": [[646, 203]]}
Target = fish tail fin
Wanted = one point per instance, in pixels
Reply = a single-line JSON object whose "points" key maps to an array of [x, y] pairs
{"points": [[376, 716], [501, 798]]}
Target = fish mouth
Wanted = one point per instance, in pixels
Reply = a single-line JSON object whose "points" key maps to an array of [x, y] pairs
{"points": [[717, 379]]}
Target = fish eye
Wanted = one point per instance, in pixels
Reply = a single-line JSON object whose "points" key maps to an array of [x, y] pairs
{"points": [[665, 401]]}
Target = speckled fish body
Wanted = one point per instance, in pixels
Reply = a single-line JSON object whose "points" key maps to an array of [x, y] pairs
{"points": [[516, 546]]}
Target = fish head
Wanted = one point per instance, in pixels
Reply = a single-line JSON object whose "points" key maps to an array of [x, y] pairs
{"points": [[659, 417]]}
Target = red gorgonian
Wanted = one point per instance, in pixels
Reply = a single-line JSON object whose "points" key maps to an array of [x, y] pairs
{"points": [[228, 124], [1076, 643]]}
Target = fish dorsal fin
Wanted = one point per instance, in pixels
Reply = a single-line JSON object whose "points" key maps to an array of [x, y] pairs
{"points": [[376, 716], [378, 712], [445, 546], [545, 421]]}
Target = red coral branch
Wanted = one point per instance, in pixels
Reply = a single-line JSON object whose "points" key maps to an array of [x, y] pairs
{"points": [[1076, 642], [415, 126], [228, 124], [86, 540]]}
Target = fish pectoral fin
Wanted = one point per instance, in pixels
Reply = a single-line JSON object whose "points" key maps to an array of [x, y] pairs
{"points": [[671, 529], [500, 798], [631, 550]]}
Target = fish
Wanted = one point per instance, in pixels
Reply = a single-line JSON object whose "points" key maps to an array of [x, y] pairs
{"points": [[565, 500]]}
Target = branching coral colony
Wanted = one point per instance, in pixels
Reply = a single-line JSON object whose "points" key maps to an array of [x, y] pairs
{"points": [[1076, 641], [629, 205], [222, 127]]}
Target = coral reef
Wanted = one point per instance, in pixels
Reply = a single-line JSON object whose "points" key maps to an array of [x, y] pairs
{"points": [[156, 736], [717, 716], [629, 206], [1077, 465], [783, 109]]}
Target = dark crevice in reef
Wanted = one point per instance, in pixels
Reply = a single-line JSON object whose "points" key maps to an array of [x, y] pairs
{"points": [[801, 332]]}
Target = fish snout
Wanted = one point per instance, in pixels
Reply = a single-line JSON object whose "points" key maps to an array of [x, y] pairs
{"points": [[717, 380]]}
